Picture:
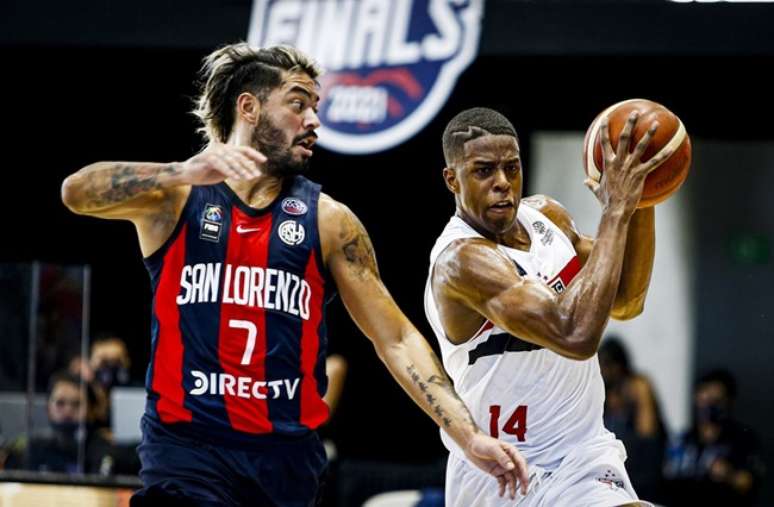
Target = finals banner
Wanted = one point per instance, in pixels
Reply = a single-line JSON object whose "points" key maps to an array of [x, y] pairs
{"points": [[390, 65]]}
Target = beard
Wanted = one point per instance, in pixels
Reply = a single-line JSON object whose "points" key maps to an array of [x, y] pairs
{"points": [[270, 141]]}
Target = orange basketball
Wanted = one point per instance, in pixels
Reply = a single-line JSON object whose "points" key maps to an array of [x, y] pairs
{"points": [[670, 174]]}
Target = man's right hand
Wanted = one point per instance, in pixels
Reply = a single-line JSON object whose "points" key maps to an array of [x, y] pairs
{"points": [[500, 460], [220, 162], [623, 179]]}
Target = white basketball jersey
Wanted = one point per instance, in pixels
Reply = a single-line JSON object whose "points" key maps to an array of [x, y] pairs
{"points": [[529, 396]]}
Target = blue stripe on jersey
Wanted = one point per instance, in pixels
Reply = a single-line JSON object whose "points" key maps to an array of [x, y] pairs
{"points": [[283, 342], [200, 322], [498, 344]]}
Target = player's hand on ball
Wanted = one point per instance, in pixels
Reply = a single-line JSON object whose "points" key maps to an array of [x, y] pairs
{"points": [[222, 161], [501, 460], [624, 176], [672, 138]]}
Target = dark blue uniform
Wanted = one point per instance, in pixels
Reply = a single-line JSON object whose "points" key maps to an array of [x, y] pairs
{"points": [[237, 373]]}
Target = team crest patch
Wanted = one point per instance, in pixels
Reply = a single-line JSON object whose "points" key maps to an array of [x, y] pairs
{"points": [[539, 227], [212, 219], [558, 286], [293, 206], [291, 232]]}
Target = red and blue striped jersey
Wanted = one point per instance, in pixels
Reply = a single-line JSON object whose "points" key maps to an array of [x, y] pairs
{"points": [[238, 317]]}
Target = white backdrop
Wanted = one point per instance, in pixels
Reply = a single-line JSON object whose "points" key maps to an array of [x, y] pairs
{"points": [[660, 340]]}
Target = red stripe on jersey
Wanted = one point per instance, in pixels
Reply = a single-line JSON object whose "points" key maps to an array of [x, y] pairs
{"points": [[486, 327], [314, 411], [243, 326], [568, 272], [168, 359]]}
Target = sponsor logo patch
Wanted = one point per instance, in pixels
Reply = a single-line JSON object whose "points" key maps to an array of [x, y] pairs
{"points": [[293, 206]]}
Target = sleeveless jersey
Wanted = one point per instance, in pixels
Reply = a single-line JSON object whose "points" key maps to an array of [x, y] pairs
{"points": [[529, 396], [238, 317]]}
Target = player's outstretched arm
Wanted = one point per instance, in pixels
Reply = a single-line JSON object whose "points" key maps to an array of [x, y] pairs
{"points": [[476, 274], [128, 190], [153, 195], [351, 261]]}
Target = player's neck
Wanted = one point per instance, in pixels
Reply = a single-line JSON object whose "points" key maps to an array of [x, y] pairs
{"points": [[516, 237], [258, 192]]}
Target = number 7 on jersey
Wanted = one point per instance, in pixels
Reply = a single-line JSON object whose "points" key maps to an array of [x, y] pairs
{"points": [[252, 333]]}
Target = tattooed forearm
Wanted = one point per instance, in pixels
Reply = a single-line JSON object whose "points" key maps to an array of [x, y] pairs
{"points": [[444, 382], [433, 401], [123, 182], [435, 407]]}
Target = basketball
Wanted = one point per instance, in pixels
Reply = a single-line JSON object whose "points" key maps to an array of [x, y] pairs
{"points": [[663, 181]]}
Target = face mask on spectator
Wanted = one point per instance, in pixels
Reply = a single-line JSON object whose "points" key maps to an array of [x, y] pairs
{"points": [[110, 375], [65, 428], [715, 413]]}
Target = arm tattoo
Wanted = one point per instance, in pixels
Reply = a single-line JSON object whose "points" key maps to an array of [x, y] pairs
{"points": [[444, 383], [123, 182], [359, 253]]}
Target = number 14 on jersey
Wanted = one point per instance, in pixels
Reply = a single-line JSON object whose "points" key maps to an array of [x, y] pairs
{"points": [[515, 425]]}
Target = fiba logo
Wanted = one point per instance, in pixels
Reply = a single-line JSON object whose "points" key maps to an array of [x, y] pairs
{"points": [[390, 64], [291, 232], [213, 213]]}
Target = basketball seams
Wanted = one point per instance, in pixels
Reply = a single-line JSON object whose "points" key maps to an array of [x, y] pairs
{"points": [[592, 171], [591, 167], [677, 139]]}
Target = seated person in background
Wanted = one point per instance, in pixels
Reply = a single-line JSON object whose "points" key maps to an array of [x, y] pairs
{"points": [[56, 448], [633, 414], [716, 462], [106, 367], [110, 361], [78, 366]]}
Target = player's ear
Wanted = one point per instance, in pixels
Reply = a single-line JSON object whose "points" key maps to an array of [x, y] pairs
{"points": [[248, 108], [450, 178]]}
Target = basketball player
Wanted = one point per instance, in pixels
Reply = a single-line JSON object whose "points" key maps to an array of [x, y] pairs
{"points": [[243, 254], [518, 300]]}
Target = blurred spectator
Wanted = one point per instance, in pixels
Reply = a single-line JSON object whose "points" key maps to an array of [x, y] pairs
{"points": [[97, 411], [336, 370], [110, 361], [716, 462], [108, 367], [56, 448], [632, 413], [79, 367]]}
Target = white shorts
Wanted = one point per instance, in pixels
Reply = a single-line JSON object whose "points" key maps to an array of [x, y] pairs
{"points": [[591, 475]]}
